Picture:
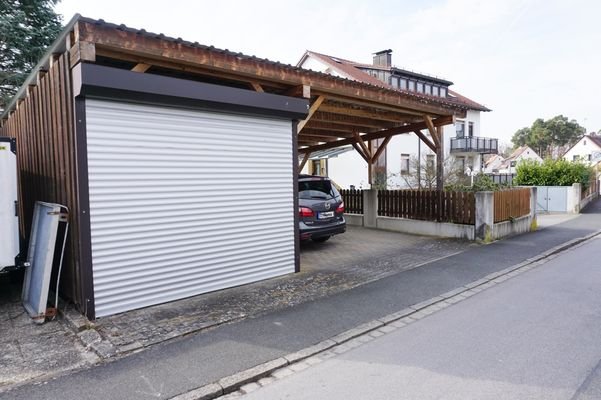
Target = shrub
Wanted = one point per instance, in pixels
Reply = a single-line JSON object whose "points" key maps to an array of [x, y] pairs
{"points": [[552, 173], [482, 183]]}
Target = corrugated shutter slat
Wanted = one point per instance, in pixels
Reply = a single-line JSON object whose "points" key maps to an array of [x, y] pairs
{"points": [[184, 202]]}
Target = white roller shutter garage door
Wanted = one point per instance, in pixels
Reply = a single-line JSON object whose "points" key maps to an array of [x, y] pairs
{"points": [[184, 202]]}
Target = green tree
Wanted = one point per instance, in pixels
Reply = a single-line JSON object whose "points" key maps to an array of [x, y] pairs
{"points": [[546, 135], [27, 28]]}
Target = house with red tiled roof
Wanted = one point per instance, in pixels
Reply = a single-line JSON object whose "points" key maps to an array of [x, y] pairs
{"points": [[464, 146], [509, 164], [587, 149]]}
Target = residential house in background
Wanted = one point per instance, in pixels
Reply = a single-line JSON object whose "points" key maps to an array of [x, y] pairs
{"points": [[464, 146], [508, 165], [587, 149]]}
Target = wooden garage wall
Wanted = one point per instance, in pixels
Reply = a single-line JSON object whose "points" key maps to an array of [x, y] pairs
{"points": [[43, 127]]}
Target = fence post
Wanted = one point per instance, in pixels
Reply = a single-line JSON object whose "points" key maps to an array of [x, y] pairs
{"points": [[370, 208], [574, 198], [533, 206], [485, 215]]}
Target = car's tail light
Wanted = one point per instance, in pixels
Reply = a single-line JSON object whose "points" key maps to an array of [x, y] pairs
{"points": [[305, 212], [340, 208]]}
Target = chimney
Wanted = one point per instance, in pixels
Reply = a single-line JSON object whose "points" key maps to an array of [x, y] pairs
{"points": [[383, 58]]}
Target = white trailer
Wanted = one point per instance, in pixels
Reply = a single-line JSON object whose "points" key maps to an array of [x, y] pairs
{"points": [[9, 219]]}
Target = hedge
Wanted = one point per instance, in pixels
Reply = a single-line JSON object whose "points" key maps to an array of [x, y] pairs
{"points": [[552, 173]]}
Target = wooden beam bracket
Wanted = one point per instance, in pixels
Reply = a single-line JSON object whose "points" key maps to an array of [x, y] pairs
{"points": [[141, 67], [312, 109]]}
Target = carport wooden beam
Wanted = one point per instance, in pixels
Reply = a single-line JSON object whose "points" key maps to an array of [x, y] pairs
{"points": [[418, 126], [147, 47], [314, 106]]}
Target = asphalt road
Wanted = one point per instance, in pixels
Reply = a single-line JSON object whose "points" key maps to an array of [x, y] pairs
{"points": [[536, 336], [171, 368]]}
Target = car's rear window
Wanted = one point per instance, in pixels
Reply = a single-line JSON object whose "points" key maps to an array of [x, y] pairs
{"points": [[317, 189]]}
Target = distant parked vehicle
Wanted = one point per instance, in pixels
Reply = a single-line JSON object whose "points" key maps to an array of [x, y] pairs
{"points": [[321, 209]]}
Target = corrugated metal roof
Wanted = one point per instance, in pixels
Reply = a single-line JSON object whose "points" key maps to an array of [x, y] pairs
{"points": [[330, 153]]}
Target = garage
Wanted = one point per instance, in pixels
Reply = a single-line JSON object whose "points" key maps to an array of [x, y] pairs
{"points": [[179, 161], [182, 202]]}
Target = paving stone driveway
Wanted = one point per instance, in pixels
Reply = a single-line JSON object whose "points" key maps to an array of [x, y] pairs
{"points": [[28, 350], [345, 261]]}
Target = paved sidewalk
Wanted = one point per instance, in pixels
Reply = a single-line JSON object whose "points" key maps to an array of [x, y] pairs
{"points": [[360, 256], [532, 336], [183, 364]]}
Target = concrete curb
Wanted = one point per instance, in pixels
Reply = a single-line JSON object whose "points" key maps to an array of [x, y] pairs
{"points": [[246, 381]]}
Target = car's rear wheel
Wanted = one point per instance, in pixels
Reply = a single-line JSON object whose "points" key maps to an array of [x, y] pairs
{"points": [[320, 239]]}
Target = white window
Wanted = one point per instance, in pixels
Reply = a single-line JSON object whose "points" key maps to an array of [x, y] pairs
{"points": [[443, 92], [403, 84], [412, 86], [404, 164], [420, 87], [575, 158], [430, 162], [460, 128], [470, 129], [460, 163]]}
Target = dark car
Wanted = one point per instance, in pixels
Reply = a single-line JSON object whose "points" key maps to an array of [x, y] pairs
{"points": [[321, 208]]}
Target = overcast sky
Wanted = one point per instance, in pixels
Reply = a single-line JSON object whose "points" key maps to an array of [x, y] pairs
{"points": [[524, 59]]}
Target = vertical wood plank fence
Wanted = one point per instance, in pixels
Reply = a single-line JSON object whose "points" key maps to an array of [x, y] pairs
{"points": [[428, 205], [511, 204], [593, 187], [43, 127], [353, 200]]}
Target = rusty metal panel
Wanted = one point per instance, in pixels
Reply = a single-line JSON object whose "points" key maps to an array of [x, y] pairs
{"points": [[184, 202]]}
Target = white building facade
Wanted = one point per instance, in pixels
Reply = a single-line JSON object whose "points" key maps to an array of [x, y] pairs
{"points": [[587, 149], [406, 156]]}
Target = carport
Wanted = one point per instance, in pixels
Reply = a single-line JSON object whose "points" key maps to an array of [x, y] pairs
{"points": [[104, 91]]}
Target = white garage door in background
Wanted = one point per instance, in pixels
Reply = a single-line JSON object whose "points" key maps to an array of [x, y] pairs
{"points": [[184, 202]]}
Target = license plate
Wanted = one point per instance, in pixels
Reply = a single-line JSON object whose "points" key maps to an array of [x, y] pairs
{"points": [[324, 215]]}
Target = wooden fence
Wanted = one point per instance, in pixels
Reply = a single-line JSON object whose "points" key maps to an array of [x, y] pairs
{"points": [[593, 188], [428, 205], [353, 200], [511, 204]]}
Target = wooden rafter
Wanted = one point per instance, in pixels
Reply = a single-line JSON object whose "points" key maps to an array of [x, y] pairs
{"points": [[312, 110], [141, 67], [381, 149], [371, 113], [378, 105], [151, 46], [417, 126], [326, 126], [318, 132], [183, 67], [432, 130], [321, 138], [362, 144], [256, 87], [360, 151], [303, 91], [304, 161], [82, 51], [345, 120], [425, 139]]}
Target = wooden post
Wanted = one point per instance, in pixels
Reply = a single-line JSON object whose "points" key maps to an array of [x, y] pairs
{"points": [[439, 159], [439, 170], [370, 165]]}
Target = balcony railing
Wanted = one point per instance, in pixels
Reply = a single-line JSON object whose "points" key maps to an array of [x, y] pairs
{"points": [[474, 145]]}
